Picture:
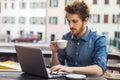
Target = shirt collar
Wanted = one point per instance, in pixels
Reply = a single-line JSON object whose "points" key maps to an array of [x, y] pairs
{"points": [[84, 37]]}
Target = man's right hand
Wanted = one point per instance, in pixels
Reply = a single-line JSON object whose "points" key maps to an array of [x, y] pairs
{"points": [[53, 46]]}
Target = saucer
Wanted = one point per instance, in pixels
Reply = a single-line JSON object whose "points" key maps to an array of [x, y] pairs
{"points": [[76, 76]]}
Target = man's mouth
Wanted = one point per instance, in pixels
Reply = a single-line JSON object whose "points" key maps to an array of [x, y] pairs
{"points": [[72, 29]]}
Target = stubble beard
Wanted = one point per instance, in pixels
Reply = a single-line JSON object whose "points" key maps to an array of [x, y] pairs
{"points": [[77, 33]]}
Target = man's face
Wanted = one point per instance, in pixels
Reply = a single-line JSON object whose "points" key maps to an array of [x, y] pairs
{"points": [[75, 23]]}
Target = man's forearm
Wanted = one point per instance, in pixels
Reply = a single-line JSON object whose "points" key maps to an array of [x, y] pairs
{"points": [[54, 59], [93, 70]]}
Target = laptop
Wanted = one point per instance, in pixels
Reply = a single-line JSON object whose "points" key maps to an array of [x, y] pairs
{"points": [[32, 61]]}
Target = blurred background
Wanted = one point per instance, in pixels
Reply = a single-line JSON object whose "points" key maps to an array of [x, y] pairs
{"points": [[37, 22]]}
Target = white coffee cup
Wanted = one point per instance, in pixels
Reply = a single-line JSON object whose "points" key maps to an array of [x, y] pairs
{"points": [[61, 44]]}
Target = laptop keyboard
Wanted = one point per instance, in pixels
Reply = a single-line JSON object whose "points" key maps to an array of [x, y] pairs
{"points": [[56, 74]]}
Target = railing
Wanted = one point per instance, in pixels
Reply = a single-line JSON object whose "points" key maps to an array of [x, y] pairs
{"points": [[7, 50]]}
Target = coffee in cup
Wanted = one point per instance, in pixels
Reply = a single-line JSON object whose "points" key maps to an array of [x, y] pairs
{"points": [[61, 44]]}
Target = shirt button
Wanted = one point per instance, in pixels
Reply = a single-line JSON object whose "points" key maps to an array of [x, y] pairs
{"points": [[76, 53], [78, 43], [76, 63]]}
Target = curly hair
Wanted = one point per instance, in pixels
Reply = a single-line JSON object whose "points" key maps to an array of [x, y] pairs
{"points": [[78, 7]]}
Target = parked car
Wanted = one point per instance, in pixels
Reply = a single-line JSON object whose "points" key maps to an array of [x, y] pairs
{"points": [[33, 39]]}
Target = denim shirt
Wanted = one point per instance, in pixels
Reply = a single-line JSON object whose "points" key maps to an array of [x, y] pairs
{"points": [[90, 49]]}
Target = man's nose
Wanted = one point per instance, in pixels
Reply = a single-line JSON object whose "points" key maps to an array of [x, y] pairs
{"points": [[71, 25]]}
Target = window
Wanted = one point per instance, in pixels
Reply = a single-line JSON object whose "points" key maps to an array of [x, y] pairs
{"points": [[42, 20], [8, 32], [22, 5], [40, 34], [94, 1], [37, 20], [12, 20], [12, 5], [22, 20], [105, 34], [105, 18], [53, 3], [34, 20], [53, 20], [4, 19], [116, 34], [118, 2], [8, 20], [106, 1], [116, 18], [95, 18], [52, 37], [37, 5], [21, 33], [32, 5], [42, 5], [67, 1], [65, 21], [5, 5]]}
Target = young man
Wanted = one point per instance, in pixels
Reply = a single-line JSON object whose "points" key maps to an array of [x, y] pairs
{"points": [[86, 51]]}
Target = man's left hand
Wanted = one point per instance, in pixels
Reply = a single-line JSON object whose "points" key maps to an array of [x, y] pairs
{"points": [[61, 68]]}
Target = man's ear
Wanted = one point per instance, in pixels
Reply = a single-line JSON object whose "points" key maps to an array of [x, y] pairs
{"points": [[86, 20]]}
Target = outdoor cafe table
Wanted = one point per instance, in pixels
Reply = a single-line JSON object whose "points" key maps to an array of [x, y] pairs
{"points": [[18, 75]]}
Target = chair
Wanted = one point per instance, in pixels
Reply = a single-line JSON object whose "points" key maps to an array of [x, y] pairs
{"points": [[113, 72], [115, 66]]}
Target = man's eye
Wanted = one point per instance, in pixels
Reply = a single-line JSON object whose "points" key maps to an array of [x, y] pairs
{"points": [[74, 21]]}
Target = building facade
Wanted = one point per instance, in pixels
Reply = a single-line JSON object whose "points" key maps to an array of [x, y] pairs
{"points": [[56, 24], [105, 17], [0, 22], [46, 18], [21, 18]]}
